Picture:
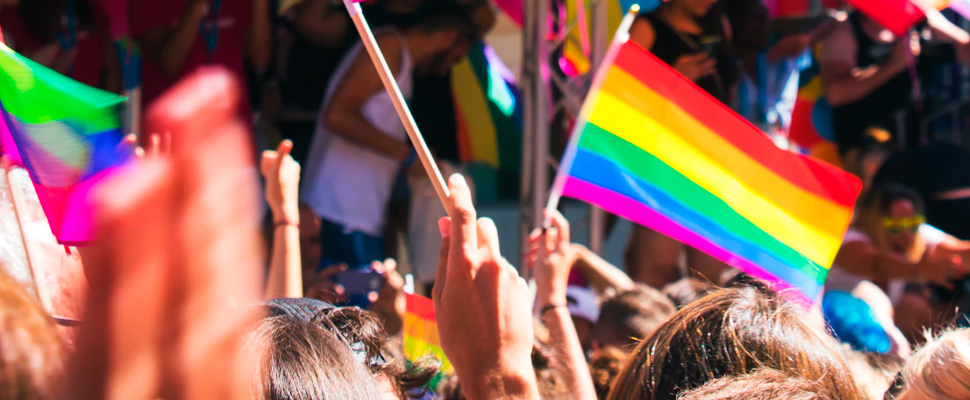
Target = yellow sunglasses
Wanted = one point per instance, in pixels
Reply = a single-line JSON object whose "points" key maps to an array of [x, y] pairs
{"points": [[895, 225]]}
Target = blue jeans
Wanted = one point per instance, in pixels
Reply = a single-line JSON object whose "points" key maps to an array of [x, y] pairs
{"points": [[354, 248]]}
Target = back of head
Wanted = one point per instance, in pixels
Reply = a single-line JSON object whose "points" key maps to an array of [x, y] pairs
{"points": [[31, 358], [441, 15], [630, 316], [687, 290], [941, 369], [763, 384], [605, 366], [732, 332], [300, 360]]}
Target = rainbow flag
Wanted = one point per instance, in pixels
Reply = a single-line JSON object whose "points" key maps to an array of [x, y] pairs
{"points": [[811, 120], [488, 113], [64, 133], [421, 332], [658, 150]]}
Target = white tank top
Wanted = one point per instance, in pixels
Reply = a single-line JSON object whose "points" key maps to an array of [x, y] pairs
{"points": [[348, 184]]}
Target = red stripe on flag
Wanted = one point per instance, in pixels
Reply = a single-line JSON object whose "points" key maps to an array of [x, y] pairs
{"points": [[810, 175], [420, 306]]}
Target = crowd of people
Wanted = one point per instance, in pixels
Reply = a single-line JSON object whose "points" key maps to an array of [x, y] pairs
{"points": [[185, 303]]}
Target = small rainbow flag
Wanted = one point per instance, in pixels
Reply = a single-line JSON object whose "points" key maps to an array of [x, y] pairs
{"points": [[421, 332], [64, 133], [658, 150], [811, 120], [487, 110]]}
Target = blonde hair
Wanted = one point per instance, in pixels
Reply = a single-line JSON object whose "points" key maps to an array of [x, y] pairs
{"points": [[875, 204], [941, 369]]}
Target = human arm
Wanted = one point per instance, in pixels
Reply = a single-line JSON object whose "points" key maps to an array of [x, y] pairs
{"points": [[844, 83], [168, 47], [282, 175], [600, 272], [863, 259], [642, 33], [344, 116], [390, 303], [259, 38], [552, 277], [320, 23], [485, 330], [789, 46]]}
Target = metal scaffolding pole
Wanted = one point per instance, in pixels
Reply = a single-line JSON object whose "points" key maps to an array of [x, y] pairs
{"points": [[600, 43], [538, 80], [533, 114]]}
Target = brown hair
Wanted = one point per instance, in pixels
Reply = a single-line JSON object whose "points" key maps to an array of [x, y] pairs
{"points": [[630, 316], [604, 366], [732, 332], [764, 384], [31, 354], [297, 360]]}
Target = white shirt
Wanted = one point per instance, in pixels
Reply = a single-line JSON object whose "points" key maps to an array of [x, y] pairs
{"points": [[348, 184], [839, 279]]}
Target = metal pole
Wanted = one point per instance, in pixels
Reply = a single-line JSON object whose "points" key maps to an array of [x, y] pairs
{"points": [[527, 81], [540, 151], [601, 41]]}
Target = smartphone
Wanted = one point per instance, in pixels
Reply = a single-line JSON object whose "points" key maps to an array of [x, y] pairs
{"points": [[360, 280], [709, 45]]}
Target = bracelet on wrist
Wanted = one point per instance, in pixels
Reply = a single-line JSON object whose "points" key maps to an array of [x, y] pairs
{"points": [[286, 222], [549, 307]]}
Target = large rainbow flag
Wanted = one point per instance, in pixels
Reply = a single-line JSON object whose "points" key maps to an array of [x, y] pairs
{"points": [[658, 150], [421, 332], [64, 133]]}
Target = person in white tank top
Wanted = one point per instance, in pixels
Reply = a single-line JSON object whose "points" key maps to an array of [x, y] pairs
{"points": [[359, 144]]}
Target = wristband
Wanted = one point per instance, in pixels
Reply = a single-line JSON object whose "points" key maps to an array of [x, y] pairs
{"points": [[549, 307], [286, 222], [411, 158]]}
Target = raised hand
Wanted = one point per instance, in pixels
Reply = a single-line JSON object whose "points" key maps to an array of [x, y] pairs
{"points": [[321, 286], [176, 265], [282, 175], [695, 66], [552, 271], [390, 303], [482, 306]]}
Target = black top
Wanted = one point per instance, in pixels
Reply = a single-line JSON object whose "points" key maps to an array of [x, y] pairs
{"points": [[433, 108], [669, 45], [879, 108], [932, 169]]}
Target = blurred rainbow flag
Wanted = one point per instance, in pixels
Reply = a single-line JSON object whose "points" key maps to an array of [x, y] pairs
{"points": [[65, 134], [421, 332], [488, 113], [811, 127]]}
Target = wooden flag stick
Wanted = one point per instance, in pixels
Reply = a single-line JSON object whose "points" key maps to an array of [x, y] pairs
{"points": [[390, 84]]}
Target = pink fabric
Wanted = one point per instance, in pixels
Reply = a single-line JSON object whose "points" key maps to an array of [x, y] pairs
{"points": [[512, 8], [649, 218]]}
